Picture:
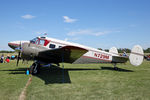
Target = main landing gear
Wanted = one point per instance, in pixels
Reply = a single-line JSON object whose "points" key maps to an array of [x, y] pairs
{"points": [[115, 67], [35, 68]]}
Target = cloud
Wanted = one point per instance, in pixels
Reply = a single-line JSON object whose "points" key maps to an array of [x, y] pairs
{"points": [[72, 39], [69, 20], [89, 32], [27, 16], [79, 32]]}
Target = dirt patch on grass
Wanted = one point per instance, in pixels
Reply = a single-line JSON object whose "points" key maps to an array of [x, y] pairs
{"points": [[23, 93]]}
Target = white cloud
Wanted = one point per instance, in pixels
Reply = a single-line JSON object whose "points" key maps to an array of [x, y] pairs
{"points": [[69, 20], [72, 39], [79, 32], [89, 32], [28, 16]]}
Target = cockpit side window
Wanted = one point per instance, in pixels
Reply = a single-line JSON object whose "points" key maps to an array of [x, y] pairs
{"points": [[41, 42]]}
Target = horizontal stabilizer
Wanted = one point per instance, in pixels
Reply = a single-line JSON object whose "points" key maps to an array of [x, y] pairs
{"points": [[119, 59]]}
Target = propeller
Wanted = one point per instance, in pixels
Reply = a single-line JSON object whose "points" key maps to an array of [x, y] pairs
{"points": [[19, 53]]}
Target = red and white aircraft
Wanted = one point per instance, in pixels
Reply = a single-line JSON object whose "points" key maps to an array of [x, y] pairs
{"points": [[49, 50]]}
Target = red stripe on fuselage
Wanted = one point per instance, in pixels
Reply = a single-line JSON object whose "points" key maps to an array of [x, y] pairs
{"points": [[96, 58]]}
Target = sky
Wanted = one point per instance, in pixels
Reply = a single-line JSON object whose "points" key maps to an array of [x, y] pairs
{"points": [[95, 23]]}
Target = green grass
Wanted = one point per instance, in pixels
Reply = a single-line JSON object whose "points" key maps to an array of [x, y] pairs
{"points": [[81, 82], [12, 80]]}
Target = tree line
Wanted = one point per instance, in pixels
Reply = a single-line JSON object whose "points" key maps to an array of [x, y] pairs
{"points": [[121, 50], [5, 51]]}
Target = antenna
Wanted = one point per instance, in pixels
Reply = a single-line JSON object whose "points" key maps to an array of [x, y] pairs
{"points": [[45, 34]]}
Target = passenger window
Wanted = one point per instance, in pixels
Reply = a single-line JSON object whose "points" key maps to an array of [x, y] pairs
{"points": [[52, 46], [60, 46]]}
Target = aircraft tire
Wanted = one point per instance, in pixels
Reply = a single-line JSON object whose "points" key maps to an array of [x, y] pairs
{"points": [[35, 68]]}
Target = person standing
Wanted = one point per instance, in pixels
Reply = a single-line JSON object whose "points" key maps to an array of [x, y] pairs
{"points": [[2, 58]]}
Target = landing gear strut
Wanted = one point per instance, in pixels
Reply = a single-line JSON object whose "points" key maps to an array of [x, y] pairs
{"points": [[115, 68], [35, 68]]}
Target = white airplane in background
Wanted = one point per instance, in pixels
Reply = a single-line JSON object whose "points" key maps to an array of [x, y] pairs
{"points": [[49, 50]]}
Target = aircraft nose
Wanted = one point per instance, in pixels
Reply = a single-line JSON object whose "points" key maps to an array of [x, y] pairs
{"points": [[14, 44]]}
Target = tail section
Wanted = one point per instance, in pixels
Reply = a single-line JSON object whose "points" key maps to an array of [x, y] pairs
{"points": [[136, 56], [113, 50]]}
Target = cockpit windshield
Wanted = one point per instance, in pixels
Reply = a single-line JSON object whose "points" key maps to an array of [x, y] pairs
{"points": [[39, 41], [34, 41]]}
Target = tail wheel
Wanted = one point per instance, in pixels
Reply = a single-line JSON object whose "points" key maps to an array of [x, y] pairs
{"points": [[35, 68]]}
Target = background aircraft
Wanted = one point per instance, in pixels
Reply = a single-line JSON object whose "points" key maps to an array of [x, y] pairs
{"points": [[44, 50]]}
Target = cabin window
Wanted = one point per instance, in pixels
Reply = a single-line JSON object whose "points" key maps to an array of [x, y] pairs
{"points": [[52, 46], [60, 46]]}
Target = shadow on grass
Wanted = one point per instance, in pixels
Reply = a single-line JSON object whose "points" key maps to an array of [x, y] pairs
{"points": [[116, 69], [56, 74], [53, 74], [17, 71]]}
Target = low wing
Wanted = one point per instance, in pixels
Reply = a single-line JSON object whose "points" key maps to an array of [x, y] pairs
{"points": [[119, 59], [66, 54]]}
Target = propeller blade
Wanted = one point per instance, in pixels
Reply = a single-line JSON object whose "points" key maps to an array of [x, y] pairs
{"points": [[19, 53], [18, 58], [20, 45]]}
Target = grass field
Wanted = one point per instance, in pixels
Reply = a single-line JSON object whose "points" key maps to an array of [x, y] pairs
{"points": [[80, 82]]}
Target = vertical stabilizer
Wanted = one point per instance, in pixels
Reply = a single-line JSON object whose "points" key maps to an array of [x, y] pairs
{"points": [[113, 50], [136, 56]]}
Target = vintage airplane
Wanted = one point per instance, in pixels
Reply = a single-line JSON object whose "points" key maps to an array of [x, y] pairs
{"points": [[44, 50]]}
